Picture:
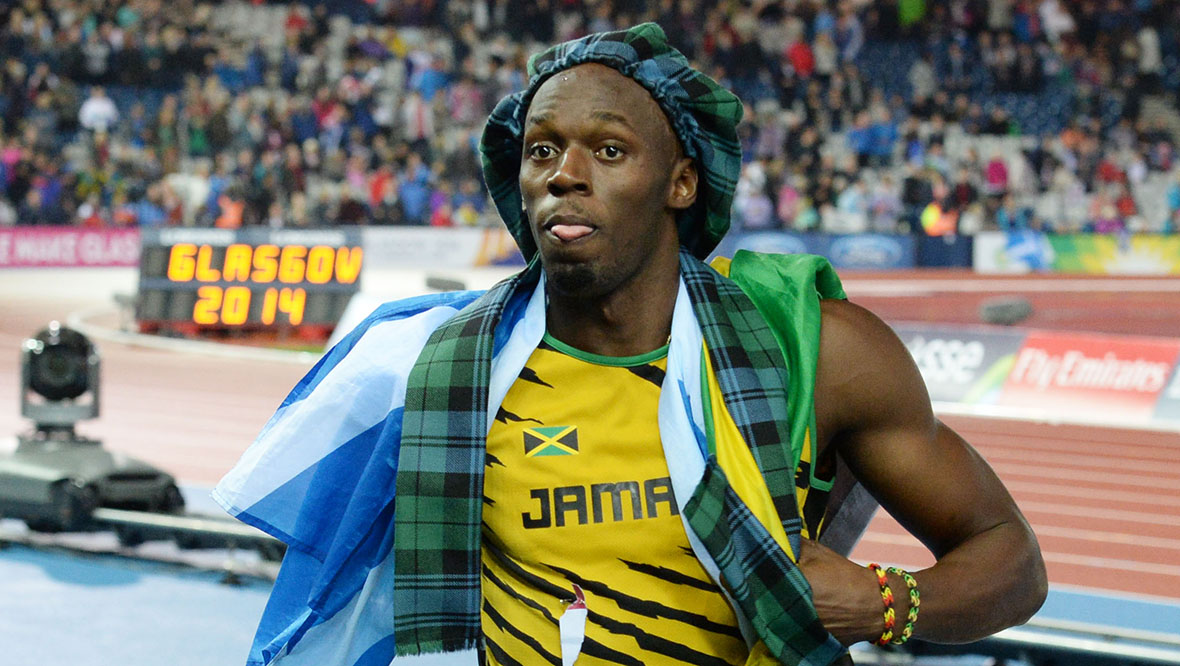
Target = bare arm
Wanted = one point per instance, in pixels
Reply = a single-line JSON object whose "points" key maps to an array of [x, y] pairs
{"points": [[873, 409]]}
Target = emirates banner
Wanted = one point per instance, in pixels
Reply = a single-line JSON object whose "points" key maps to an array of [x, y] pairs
{"points": [[1064, 373]]}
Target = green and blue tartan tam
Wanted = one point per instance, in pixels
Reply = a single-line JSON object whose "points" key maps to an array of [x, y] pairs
{"points": [[703, 115]]}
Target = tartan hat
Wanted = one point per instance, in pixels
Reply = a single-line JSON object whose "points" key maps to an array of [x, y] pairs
{"points": [[703, 115]]}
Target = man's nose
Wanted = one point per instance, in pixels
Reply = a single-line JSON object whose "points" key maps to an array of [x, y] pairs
{"points": [[571, 175]]}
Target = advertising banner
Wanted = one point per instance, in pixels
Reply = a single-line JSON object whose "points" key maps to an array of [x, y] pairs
{"points": [[858, 251], [1090, 374], [944, 251], [26, 247], [427, 247], [962, 365], [1139, 254], [1015, 252], [1094, 254]]}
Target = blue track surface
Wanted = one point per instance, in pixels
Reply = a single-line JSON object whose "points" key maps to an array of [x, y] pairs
{"points": [[101, 610], [80, 609]]}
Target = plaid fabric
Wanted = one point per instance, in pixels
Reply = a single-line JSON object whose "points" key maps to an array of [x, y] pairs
{"points": [[439, 488], [770, 590], [440, 476], [703, 115]]}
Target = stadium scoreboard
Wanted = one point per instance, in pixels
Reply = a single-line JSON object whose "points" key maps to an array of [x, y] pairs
{"points": [[248, 279]]}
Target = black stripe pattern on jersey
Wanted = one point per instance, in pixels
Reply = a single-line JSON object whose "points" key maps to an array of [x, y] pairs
{"points": [[530, 375], [590, 646], [671, 575], [652, 373], [506, 627], [652, 609], [505, 416], [644, 640]]}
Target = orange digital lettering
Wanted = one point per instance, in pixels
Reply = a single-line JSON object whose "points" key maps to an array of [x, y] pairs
{"points": [[348, 264], [205, 270], [292, 301], [319, 264], [266, 265], [291, 264], [180, 262], [236, 307], [208, 303], [270, 302], [237, 262]]}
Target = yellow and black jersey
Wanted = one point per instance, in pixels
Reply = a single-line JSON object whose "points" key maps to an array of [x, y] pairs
{"points": [[577, 492]]}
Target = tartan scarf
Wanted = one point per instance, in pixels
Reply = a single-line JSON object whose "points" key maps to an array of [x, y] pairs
{"points": [[439, 488]]}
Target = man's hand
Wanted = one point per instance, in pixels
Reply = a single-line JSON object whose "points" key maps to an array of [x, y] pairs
{"points": [[846, 595]]}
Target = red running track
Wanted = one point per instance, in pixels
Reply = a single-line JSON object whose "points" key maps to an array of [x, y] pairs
{"points": [[1105, 502]]}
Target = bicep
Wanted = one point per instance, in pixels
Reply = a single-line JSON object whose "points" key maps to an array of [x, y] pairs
{"points": [[881, 424]]}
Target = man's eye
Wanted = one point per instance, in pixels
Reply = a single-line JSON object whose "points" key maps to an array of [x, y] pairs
{"points": [[611, 152], [541, 151]]}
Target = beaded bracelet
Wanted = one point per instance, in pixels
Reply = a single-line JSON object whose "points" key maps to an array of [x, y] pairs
{"points": [[911, 615], [887, 599]]}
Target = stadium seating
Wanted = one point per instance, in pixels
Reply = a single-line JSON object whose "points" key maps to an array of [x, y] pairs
{"points": [[299, 111]]}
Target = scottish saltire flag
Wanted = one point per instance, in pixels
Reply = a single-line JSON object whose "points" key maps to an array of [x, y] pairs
{"points": [[321, 475]]}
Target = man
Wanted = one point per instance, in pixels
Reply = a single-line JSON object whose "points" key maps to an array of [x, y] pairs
{"points": [[619, 455]]}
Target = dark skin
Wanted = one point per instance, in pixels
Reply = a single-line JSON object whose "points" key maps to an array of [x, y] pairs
{"points": [[607, 169], [603, 177]]}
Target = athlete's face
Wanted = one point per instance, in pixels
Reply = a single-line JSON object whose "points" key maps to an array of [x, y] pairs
{"points": [[602, 177]]}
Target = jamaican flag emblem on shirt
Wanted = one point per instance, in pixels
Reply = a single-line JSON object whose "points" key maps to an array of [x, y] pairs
{"points": [[551, 441]]}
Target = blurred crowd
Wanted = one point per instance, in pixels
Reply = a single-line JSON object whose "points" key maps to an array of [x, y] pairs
{"points": [[885, 115]]}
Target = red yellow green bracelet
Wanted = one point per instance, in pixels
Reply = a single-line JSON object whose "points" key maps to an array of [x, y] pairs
{"points": [[887, 599], [911, 615]]}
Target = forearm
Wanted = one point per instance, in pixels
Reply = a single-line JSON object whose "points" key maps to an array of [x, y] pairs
{"points": [[990, 582]]}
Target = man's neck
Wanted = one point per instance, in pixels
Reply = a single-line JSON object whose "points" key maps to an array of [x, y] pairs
{"points": [[631, 320]]}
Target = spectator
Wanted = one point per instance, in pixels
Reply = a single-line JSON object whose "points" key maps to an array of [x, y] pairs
{"points": [[98, 113], [922, 78], [414, 191], [885, 206]]}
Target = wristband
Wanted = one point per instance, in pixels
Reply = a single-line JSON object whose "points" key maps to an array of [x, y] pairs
{"points": [[911, 615], [887, 600]]}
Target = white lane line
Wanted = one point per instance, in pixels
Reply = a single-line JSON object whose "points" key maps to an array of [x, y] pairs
{"points": [[1058, 444], [1112, 563], [1096, 461], [1042, 472], [1098, 513], [1035, 415], [1098, 494], [1099, 536], [894, 287], [78, 321]]}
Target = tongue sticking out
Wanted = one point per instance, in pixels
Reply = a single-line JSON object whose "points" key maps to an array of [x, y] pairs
{"points": [[569, 232]]}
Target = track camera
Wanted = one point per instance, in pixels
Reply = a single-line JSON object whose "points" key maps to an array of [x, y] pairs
{"points": [[59, 378]]}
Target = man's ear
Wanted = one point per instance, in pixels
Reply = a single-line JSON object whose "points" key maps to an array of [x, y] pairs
{"points": [[684, 184]]}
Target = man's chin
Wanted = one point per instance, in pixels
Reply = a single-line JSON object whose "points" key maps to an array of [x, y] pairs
{"points": [[574, 279]]}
